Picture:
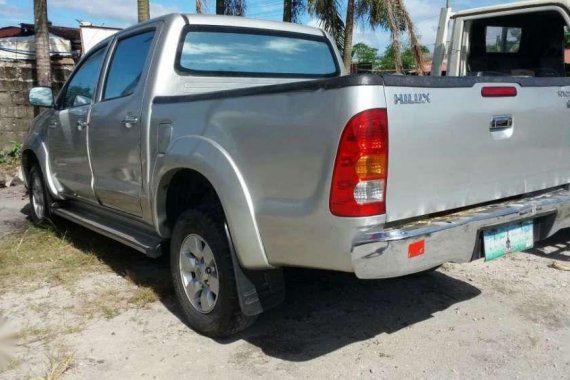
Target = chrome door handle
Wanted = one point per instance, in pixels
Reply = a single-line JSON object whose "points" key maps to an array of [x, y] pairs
{"points": [[82, 124], [53, 124], [129, 120], [501, 122]]}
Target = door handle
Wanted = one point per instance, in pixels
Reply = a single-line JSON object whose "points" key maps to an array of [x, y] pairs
{"points": [[501, 122], [129, 120], [81, 124], [53, 124]]}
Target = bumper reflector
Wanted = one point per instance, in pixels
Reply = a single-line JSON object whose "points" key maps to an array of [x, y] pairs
{"points": [[416, 249]]}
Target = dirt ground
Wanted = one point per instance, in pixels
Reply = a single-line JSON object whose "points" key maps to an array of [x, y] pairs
{"points": [[112, 315]]}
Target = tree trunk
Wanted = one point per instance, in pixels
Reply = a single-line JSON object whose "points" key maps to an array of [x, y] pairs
{"points": [[348, 28], [414, 41], [220, 7], [199, 7], [143, 10], [288, 10], [395, 31], [43, 61]]}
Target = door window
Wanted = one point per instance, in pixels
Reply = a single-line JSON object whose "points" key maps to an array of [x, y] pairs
{"points": [[81, 88], [127, 65]]}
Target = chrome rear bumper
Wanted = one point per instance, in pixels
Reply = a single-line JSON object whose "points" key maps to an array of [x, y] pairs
{"points": [[383, 253]]}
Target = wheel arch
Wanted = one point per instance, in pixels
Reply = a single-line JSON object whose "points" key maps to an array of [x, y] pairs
{"points": [[194, 164]]}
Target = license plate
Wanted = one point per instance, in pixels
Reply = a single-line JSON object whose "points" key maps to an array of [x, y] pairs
{"points": [[511, 238]]}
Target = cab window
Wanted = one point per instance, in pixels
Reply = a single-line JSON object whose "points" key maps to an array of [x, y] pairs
{"points": [[81, 88], [127, 65]]}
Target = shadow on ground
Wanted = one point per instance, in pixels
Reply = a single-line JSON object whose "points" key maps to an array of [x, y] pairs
{"points": [[323, 311], [556, 247]]}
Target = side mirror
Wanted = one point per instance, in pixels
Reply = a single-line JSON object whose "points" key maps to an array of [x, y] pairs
{"points": [[41, 97]]}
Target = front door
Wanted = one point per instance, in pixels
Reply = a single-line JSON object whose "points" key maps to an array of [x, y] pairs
{"points": [[116, 126], [68, 127]]}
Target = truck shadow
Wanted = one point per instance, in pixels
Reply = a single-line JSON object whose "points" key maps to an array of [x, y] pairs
{"points": [[323, 311], [556, 247]]}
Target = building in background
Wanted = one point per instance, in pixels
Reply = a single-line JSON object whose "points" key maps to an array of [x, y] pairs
{"points": [[18, 43]]}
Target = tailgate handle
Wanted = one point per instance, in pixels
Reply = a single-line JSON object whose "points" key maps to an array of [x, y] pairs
{"points": [[501, 122]]}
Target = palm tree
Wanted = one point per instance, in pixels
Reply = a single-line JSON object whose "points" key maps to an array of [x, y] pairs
{"points": [[143, 8], [230, 7], [199, 6], [392, 15], [327, 11], [43, 62], [417, 47], [292, 9], [348, 29]]}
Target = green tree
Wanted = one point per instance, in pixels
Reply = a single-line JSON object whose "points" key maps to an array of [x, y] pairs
{"points": [[408, 60], [328, 12], [567, 37], [363, 53], [392, 15], [43, 61]]}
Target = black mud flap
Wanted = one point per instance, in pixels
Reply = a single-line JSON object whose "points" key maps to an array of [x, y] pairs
{"points": [[258, 290]]}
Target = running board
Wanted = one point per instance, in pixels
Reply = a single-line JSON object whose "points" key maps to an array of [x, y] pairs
{"points": [[124, 230]]}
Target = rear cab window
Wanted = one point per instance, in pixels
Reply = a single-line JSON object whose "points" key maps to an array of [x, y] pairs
{"points": [[522, 45], [224, 51]]}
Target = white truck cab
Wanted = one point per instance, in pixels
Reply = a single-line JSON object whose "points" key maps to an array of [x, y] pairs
{"points": [[518, 39]]}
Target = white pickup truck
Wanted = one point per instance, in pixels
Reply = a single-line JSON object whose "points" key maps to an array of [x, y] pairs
{"points": [[242, 146]]}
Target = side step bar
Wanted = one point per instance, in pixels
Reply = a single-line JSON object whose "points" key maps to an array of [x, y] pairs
{"points": [[119, 228]]}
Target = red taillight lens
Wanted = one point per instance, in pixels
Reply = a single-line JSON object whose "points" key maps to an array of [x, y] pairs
{"points": [[498, 92], [361, 166]]}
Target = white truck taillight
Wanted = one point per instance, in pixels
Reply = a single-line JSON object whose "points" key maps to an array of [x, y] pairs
{"points": [[361, 166]]}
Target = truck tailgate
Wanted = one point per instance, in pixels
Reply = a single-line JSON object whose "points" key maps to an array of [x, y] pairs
{"points": [[444, 153]]}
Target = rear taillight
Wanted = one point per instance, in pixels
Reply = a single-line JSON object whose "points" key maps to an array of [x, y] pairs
{"points": [[361, 166]]}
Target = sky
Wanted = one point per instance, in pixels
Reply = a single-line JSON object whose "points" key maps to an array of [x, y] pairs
{"points": [[121, 13]]}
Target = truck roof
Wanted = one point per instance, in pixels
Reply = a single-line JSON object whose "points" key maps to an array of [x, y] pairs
{"points": [[509, 6], [245, 22]]}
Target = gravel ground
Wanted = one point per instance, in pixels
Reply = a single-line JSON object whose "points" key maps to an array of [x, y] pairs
{"points": [[509, 318]]}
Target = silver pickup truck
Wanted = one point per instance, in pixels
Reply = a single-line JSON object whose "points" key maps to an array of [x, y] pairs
{"points": [[243, 146]]}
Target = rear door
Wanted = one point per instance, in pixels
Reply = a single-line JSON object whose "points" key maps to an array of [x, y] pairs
{"points": [[115, 125], [455, 142]]}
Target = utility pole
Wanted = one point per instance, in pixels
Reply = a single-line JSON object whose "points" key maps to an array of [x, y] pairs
{"points": [[143, 8], [43, 61]]}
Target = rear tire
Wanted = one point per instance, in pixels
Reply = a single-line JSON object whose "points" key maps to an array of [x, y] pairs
{"points": [[203, 275], [39, 197]]}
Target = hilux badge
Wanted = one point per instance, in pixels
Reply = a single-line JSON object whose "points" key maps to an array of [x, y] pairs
{"points": [[412, 98]]}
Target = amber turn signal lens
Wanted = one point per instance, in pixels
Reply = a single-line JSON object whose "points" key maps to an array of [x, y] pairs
{"points": [[371, 167]]}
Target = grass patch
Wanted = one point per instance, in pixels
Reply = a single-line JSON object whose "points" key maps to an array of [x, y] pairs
{"points": [[45, 334], [64, 254], [10, 158], [59, 363], [41, 255], [110, 302]]}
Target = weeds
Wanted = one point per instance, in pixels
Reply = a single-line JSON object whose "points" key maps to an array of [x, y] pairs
{"points": [[10, 159], [59, 363], [11, 155]]}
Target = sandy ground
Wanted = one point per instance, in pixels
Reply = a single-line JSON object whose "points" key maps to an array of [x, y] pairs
{"points": [[509, 318]]}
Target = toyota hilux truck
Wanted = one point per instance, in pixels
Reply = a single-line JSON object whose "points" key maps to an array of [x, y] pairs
{"points": [[240, 147]]}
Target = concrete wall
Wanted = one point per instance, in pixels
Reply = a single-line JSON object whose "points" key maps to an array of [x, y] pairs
{"points": [[16, 78]]}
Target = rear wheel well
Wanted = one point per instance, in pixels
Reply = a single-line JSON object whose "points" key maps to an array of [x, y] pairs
{"points": [[29, 159], [189, 189]]}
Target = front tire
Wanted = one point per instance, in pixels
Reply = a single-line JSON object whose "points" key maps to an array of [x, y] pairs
{"points": [[203, 275], [39, 198]]}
